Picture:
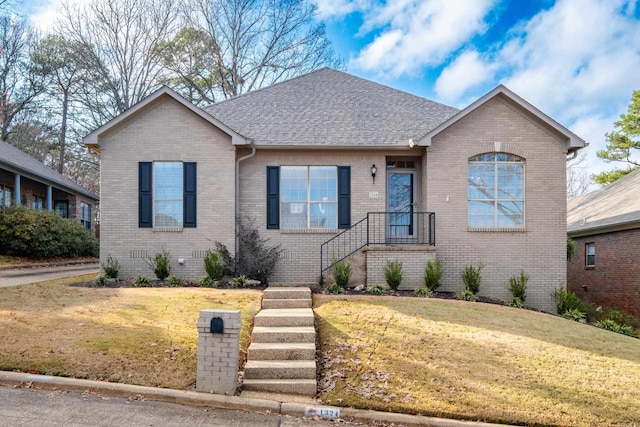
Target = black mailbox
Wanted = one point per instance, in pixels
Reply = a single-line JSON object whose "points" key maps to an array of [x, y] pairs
{"points": [[217, 325]]}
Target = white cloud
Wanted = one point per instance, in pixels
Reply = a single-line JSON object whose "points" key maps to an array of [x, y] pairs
{"points": [[414, 34], [338, 8], [467, 71]]}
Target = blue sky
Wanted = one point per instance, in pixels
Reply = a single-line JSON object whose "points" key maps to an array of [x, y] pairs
{"points": [[576, 60]]}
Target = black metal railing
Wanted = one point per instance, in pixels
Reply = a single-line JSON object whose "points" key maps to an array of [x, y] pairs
{"points": [[379, 228]]}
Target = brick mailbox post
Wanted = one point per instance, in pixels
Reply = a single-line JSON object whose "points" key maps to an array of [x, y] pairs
{"points": [[218, 350]]}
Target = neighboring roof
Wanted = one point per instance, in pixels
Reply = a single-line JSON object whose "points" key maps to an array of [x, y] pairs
{"points": [[92, 140], [17, 161], [574, 142], [614, 207], [330, 108]]}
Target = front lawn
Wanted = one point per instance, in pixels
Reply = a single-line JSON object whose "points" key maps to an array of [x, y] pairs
{"points": [[475, 361], [136, 336]]}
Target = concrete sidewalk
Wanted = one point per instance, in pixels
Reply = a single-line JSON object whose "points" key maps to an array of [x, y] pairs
{"points": [[24, 275]]}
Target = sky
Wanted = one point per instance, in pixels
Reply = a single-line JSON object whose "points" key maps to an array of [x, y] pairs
{"points": [[576, 60]]}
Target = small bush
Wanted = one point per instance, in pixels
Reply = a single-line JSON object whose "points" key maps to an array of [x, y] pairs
{"points": [[208, 282], [518, 286], [423, 292], [141, 282], [212, 265], [239, 282], [613, 326], [515, 302], [377, 289], [342, 273], [576, 315], [566, 301], [618, 316], [393, 274], [161, 264], [334, 288], [571, 248], [111, 267], [174, 281], [471, 277], [433, 274], [466, 295], [101, 280]]}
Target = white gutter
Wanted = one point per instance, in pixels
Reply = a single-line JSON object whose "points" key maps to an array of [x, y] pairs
{"points": [[237, 201]]}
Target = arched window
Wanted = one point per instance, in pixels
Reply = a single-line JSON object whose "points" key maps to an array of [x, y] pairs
{"points": [[496, 191]]}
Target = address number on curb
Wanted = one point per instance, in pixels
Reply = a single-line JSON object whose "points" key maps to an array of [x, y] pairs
{"points": [[330, 413]]}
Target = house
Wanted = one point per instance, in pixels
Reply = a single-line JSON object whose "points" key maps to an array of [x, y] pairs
{"points": [[328, 164], [605, 226], [28, 182]]}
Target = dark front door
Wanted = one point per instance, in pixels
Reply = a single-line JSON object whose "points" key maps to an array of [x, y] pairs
{"points": [[400, 202]]}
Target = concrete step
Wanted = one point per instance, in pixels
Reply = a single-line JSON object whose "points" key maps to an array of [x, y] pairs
{"points": [[293, 334], [285, 317], [284, 386], [282, 351], [280, 369], [286, 303], [286, 293]]}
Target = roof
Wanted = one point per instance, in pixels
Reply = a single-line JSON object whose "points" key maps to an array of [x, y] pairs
{"points": [[92, 140], [574, 142], [614, 207], [330, 108], [14, 159]]}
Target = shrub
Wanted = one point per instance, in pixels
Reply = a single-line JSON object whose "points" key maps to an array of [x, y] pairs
{"points": [[518, 286], [393, 274], [160, 264], [101, 280], [619, 316], [174, 281], [565, 301], [334, 288], [613, 326], [111, 267], [342, 272], [255, 259], [466, 295], [212, 265], [377, 289], [471, 277], [571, 248], [239, 282], [208, 282], [576, 315], [423, 292], [35, 234], [433, 274], [141, 282], [515, 302]]}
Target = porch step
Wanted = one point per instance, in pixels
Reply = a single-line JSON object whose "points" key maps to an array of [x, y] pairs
{"points": [[289, 334], [285, 317], [286, 293], [282, 351], [286, 303], [280, 369], [284, 386]]}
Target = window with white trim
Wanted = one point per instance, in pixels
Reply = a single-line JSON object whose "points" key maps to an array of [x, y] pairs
{"points": [[308, 197], [167, 194], [38, 203], [590, 255], [5, 195], [496, 191], [85, 215]]}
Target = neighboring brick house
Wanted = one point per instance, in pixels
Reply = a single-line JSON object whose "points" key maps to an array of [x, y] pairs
{"points": [[605, 226], [28, 182], [329, 154]]}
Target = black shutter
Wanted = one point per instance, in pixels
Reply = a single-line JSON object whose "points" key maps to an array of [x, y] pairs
{"points": [[344, 196], [145, 198], [273, 197], [189, 201]]}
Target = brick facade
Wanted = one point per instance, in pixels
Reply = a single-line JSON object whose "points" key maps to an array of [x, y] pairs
{"points": [[614, 281]]}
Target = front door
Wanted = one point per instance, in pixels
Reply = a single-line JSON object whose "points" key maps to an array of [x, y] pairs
{"points": [[400, 205]]}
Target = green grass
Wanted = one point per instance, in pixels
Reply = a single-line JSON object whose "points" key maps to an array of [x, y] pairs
{"points": [[138, 336], [475, 361]]}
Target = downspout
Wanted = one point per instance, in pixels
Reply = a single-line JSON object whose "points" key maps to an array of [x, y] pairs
{"points": [[237, 200]]}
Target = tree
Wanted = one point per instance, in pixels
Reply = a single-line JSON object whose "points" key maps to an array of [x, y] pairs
{"points": [[622, 142], [258, 42], [578, 180]]}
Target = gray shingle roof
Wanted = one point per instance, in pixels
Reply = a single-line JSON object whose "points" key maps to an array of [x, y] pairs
{"points": [[16, 159], [617, 204], [329, 107]]}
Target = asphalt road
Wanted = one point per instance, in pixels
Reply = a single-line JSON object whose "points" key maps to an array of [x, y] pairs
{"points": [[23, 276], [46, 408]]}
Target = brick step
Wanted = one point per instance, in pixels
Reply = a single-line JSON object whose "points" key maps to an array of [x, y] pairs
{"points": [[282, 351], [286, 293], [293, 334], [284, 386], [286, 303], [285, 317], [280, 369]]}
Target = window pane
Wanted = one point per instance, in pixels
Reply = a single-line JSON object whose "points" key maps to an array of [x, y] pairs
{"points": [[324, 215], [168, 213], [323, 183], [486, 157], [168, 180], [481, 214], [510, 180], [504, 157], [481, 181], [293, 184], [510, 214], [293, 215]]}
